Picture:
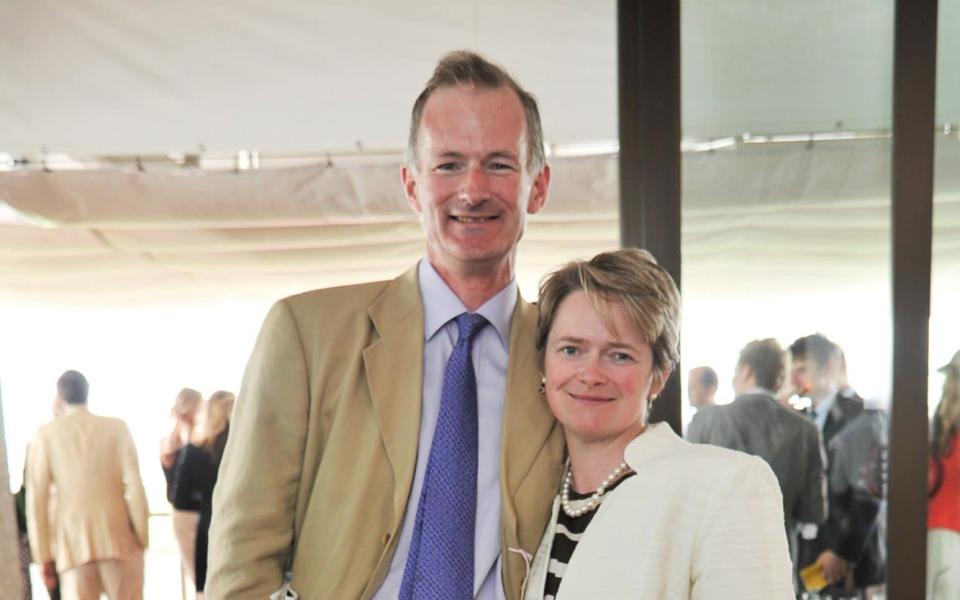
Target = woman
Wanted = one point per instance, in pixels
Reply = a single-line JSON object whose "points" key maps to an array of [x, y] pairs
{"points": [[185, 519], [943, 516], [196, 473], [641, 513]]}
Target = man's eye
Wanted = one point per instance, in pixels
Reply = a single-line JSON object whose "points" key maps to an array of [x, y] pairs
{"points": [[448, 166], [500, 166]]}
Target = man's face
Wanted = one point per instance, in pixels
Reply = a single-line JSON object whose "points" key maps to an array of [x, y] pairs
{"points": [[803, 376], [742, 379], [471, 187], [694, 389], [698, 393]]}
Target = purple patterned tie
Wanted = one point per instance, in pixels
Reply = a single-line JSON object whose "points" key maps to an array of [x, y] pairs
{"points": [[440, 561]]}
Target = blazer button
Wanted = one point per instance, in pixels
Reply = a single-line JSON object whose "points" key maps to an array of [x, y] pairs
{"points": [[386, 539]]}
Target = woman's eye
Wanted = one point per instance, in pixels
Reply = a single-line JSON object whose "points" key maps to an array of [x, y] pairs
{"points": [[569, 350], [622, 357]]}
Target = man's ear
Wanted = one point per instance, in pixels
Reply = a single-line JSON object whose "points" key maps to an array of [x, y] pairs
{"points": [[538, 191], [408, 177]]}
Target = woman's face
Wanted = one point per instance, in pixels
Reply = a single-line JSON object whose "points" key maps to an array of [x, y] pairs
{"points": [[598, 380]]}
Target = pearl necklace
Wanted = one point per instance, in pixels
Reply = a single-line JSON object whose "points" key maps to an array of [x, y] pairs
{"points": [[593, 501]]}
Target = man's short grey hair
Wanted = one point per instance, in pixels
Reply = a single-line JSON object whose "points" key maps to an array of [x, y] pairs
{"points": [[468, 68]]}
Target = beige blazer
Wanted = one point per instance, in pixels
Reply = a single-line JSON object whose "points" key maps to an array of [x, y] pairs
{"points": [[696, 521], [323, 445], [101, 508]]}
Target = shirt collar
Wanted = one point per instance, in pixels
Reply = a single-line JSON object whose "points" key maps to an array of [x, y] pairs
{"points": [[824, 409], [757, 391], [441, 305]]}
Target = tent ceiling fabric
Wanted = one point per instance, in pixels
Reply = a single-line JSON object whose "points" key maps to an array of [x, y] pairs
{"points": [[94, 78], [766, 214], [102, 77]]}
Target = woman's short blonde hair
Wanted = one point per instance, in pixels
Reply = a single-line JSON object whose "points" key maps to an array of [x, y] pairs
{"points": [[216, 416], [630, 277], [187, 402]]}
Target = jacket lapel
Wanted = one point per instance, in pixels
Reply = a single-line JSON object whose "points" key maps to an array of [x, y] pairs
{"points": [[394, 367], [527, 427]]}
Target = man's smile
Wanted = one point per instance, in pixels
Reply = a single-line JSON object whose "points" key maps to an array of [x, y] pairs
{"points": [[472, 220]]}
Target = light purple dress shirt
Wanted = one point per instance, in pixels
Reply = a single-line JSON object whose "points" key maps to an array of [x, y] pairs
{"points": [[490, 348]]}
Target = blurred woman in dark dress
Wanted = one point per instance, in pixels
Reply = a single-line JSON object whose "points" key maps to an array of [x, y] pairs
{"points": [[184, 413], [196, 472]]}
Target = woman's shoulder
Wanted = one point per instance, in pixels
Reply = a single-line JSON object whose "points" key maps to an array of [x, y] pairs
{"points": [[706, 462]]}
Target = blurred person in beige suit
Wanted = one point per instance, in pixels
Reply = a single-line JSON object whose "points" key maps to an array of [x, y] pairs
{"points": [[324, 467], [100, 527]]}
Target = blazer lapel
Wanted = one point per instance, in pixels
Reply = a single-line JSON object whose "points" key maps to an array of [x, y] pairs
{"points": [[527, 424], [394, 369]]}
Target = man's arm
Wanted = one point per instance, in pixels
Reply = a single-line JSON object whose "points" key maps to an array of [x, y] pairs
{"points": [[38, 498], [813, 505], [857, 452], [254, 500], [133, 493]]}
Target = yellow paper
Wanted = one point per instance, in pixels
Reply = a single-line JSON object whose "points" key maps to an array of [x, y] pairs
{"points": [[813, 578]]}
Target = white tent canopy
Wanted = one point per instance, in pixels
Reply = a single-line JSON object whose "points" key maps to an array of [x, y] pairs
{"points": [[92, 80], [104, 77]]}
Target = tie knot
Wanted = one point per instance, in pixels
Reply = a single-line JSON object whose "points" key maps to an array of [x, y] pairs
{"points": [[469, 324]]}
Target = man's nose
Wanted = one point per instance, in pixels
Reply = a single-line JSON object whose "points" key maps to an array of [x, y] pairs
{"points": [[474, 189]]}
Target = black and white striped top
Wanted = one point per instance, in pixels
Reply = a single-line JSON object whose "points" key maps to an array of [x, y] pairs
{"points": [[568, 534]]}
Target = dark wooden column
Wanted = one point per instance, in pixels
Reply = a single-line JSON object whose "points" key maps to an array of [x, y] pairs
{"points": [[914, 99], [648, 41]]}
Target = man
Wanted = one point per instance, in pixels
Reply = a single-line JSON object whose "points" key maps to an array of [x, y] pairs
{"points": [[846, 547], [702, 387], [757, 424], [345, 417], [100, 527]]}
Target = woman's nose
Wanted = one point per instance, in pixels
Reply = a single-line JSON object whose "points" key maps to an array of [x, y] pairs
{"points": [[592, 373]]}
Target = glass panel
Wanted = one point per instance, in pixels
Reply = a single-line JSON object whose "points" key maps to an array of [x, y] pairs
{"points": [[943, 400], [786, 238]]}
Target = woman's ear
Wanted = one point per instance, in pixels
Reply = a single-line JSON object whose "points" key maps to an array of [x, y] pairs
{"points": [[659, 381]]}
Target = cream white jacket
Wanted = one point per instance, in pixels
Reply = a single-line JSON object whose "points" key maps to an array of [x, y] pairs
{"points": [[696, 521]]}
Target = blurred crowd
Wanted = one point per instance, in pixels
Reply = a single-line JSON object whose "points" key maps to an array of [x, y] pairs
{"points": [[82, 510], [796, 410]]}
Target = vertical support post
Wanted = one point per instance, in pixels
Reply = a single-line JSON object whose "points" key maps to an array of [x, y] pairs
{"points": [[914, 100], [648, 47], [9, 534]]}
